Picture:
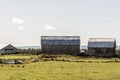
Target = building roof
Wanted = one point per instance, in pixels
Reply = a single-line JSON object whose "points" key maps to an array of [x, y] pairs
{"points": [[9, 47], [60, 37], [102, 42], [60, 40]]}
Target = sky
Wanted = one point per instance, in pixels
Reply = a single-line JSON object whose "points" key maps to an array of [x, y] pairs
{"points": [[22, 22]]}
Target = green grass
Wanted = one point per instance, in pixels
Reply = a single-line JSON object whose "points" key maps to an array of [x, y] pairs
{"points": [[59, 70], [17, 56]]}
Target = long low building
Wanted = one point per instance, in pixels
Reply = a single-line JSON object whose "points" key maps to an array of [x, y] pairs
{"points": [[9, 49], [60, 44], [102, 47]]}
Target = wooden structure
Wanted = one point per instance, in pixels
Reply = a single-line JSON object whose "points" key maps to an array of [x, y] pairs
{"points": [[9, 49], [101, 47], [60, 44]]}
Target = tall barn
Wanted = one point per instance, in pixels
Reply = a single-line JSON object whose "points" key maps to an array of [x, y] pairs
{"points": [[9, 49], [60, 44], [102, 47]]}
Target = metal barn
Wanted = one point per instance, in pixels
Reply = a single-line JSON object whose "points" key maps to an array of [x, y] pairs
{"points": [[60, 44], [102, 47]]}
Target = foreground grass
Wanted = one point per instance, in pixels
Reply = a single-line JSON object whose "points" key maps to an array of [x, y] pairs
{"points": [[53, 70], [87, 69]]}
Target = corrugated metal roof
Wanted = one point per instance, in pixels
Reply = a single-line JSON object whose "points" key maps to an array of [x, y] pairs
{"points": [[60, 37], [102, 40], [101, 44], [60, 42]]}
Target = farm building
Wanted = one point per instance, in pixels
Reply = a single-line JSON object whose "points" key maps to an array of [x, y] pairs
{"points": [[102, 47], [60, 44], [9, 49]]}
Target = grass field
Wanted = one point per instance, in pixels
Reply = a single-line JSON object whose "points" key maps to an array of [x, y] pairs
{"points": [[16, 56], [59, 70]]}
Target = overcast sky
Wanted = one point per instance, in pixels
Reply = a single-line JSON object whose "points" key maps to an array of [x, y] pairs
{"points": [[22, 22]]}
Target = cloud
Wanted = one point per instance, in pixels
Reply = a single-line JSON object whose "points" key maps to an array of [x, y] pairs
{"points": [[17, 21], [49, 27], [21, 28]]}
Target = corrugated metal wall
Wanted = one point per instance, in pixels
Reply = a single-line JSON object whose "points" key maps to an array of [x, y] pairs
{"points": [[60, 44], [61, 49], [102, 47], [101, 52]]}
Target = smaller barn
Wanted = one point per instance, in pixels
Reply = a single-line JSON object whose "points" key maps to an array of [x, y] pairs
{"points": [[9, 49], [102, 47]]}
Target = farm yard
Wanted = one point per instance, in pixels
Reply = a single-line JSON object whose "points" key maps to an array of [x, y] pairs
{"points": [[60, 40], [62, 67]]}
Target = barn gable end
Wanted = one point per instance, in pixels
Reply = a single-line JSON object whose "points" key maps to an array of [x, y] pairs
{"points": [[9, 49]]}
